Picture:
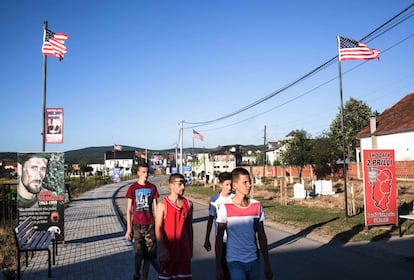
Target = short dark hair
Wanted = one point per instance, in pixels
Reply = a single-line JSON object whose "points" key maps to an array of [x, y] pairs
{"points": [[175, 176], [143, 164], [224, 176], [237, 172], [22, 158]]}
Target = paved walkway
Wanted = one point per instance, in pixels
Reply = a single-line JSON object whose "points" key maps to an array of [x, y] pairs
{"points": [[95, 247]]}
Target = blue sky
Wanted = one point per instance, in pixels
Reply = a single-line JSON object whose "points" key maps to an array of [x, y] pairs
{"points": [[135, 69]]}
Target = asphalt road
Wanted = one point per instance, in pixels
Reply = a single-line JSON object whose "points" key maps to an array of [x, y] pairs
{"points": [[295, 256]]}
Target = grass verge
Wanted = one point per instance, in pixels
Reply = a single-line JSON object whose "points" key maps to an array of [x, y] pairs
{"points": [[329, 225]]}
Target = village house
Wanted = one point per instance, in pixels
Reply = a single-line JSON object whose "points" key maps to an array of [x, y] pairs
{"points": [[393, 129]]}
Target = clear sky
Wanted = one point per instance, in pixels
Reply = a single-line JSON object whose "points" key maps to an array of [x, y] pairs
{"points": [[135, 69]]}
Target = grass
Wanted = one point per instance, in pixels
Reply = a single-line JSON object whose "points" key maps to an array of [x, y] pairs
{"points": [[328, 223]]}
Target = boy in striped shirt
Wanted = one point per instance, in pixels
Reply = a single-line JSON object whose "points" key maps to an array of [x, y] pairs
{"points": [[242, 217]]}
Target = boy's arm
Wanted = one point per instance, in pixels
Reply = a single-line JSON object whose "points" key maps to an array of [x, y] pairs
{"points": [[265, 251], [128, 233], [159, 224], [207, 244], [190, 229], [154, 206], [221, 227]]}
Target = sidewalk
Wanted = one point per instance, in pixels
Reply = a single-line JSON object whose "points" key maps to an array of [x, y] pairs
{"points": [[95, 246]]}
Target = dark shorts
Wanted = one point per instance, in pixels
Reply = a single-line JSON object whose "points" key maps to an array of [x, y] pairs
{"points": [[144, 239]]}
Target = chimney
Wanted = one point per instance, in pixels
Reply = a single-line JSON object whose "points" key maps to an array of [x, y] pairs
{"points": [[373, 129]]}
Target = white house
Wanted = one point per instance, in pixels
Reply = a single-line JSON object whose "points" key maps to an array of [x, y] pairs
{"points": [[120, 159], [393, 129]]}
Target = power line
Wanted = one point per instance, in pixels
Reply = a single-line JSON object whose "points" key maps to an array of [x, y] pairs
{"points": [[371, 36]]}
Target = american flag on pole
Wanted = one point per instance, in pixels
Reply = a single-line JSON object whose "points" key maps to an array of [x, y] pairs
{"points": [[54, 44], [197, 135], [350, 49], [117, 147]]}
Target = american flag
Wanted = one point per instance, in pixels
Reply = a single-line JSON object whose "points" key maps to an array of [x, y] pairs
{"points": [[117, 147], [197, 135], [350, 49], [54, 44]]}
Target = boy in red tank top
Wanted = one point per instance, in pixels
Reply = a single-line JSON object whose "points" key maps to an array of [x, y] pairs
{"points": [[174, 232]]}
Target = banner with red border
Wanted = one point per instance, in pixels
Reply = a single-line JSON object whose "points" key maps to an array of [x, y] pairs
{"points": [[380, 188], [54, 126]]}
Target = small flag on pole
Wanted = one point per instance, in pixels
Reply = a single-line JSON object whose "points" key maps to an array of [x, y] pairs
{"points": [[197, 135], [117, 147], [54, 44], [350, 49]]}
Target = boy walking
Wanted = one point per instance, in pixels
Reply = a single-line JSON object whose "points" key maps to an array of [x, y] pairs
{"points": [[216, 201], [142, 200], [174, 232], [242, 218]]}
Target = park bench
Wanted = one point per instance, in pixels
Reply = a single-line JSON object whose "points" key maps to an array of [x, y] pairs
{"points": [[30, 239]]}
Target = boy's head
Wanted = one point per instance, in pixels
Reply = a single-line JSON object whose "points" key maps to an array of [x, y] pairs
{"points": [[225, 182], [142, 170], [177, 183], [240, 178]]}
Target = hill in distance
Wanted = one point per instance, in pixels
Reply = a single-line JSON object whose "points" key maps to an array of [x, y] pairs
{"points": [[96, 154]]}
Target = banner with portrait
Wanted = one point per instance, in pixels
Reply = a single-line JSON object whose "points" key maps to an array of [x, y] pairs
{"points": [[41, 190], [54, 126], [380, 188]]}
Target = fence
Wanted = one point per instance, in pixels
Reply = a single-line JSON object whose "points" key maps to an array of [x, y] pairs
{"points": [[8, 202], [404, 171]]}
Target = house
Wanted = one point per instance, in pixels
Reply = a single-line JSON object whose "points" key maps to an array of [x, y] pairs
{"points": [[121, 159], [205, 163], [393, 129], [272, 152]]}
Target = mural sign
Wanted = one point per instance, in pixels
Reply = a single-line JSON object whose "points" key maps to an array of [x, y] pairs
{"points": [[380, 188], [41, 190]]}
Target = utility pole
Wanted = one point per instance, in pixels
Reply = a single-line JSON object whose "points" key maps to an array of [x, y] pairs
{"points": [[264, 152], [181, 146]]}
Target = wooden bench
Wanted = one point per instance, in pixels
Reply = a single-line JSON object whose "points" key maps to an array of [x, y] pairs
{"points": [[30, 239], [404, 217]]}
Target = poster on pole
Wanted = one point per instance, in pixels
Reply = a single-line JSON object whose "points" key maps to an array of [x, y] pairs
{"points": [[380, 188], [54, 126], [41, 190], [188, 174]]}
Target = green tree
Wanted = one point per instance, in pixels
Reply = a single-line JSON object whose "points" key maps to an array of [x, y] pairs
{"points": [[324, 154], [297, 150], [356, 117], [84, 168]]}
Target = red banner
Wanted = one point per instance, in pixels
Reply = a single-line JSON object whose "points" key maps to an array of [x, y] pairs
{"points": [[380, 188], [54, 126]]}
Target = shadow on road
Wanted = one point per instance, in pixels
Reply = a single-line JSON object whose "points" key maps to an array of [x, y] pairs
{"points": [[301, 234]]}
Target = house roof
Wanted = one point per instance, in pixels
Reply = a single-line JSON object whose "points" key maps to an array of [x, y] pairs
{"points": [[399, 118]]}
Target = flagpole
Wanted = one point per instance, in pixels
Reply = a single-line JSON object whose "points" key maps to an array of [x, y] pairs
{"points": [[342, 130], [44, 90]]}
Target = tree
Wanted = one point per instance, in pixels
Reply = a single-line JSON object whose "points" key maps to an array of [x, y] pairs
{"points": [[356, 117], [324, 153], [84, 168], [297, 149]]}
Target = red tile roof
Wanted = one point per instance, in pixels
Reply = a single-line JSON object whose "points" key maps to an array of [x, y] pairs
{"points": [[398, 118]]}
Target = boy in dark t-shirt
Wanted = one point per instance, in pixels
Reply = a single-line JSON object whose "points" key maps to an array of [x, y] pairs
{"points": [[142, 200]]}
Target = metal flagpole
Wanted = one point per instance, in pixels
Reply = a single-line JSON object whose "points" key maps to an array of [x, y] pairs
{"points": [[344, 154], [44, 89]]}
